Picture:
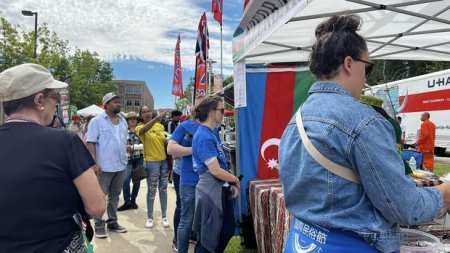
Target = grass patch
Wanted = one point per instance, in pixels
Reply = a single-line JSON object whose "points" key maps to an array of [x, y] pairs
{"points": [[441, 169], [234, 246]]}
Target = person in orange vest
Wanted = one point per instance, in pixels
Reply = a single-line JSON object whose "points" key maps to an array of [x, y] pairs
{"points": [[425, 143]]}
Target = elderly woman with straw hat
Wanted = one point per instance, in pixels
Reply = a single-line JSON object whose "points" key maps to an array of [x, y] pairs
{"points": [[135, 154]]}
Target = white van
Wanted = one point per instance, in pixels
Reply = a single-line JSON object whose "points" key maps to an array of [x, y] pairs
{"points": [[409, 98]]}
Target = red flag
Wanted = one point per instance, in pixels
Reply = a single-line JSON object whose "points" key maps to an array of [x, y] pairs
{"points": [[245, 3], [201, 54], [217, 9], [177, 87]]}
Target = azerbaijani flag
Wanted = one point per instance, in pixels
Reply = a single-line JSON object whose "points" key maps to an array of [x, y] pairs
{"points": [[273, 95]]}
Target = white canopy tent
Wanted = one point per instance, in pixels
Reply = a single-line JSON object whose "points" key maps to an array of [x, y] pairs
{"points": [[93, 110], [283, 30]]}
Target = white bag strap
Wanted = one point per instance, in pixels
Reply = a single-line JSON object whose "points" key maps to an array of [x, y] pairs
{"points": [[334, 168]]}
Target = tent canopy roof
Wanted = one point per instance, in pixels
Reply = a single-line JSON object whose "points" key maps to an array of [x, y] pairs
{"points": [[93, 110], [283, 31]]}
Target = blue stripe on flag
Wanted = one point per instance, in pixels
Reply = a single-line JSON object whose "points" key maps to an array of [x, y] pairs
{"points": [[250, 127]]}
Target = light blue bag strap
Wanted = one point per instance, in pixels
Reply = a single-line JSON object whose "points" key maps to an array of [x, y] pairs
{"points": [[331, 166]]}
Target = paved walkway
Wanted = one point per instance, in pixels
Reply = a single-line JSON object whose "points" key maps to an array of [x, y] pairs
{"points": [[139, 238]]}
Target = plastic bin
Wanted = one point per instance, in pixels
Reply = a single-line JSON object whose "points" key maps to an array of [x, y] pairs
{"points": [[415, 241]]}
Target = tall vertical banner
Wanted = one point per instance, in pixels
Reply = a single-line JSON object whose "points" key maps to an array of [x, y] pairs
{"points": [[217, 9], [273, 95], [177, 84], [201, 54]]}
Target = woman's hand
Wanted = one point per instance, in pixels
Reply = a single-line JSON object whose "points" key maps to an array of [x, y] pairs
{"points": [[445, 190], [234, 191], [130, 148], [237, 184]]}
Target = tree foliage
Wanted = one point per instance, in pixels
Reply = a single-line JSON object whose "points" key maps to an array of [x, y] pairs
{"points": [[391, 70], [89, 78]]}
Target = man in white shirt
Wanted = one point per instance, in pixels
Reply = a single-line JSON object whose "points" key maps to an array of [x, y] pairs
{"points": [[107, 142]]}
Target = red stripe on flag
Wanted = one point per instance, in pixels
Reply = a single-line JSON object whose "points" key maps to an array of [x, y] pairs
{"points": [[427, 101], [278, 104]]}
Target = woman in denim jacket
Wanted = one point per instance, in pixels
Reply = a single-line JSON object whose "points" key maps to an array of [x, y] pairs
{"points": [[333, 214]]}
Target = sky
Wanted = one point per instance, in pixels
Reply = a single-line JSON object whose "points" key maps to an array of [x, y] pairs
{"points": [[137, 37]]}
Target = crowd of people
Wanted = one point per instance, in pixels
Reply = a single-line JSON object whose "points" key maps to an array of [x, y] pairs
{"points": [[87, 167], [358, 192]]}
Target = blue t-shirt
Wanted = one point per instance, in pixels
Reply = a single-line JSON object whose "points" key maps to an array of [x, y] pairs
{"points": [[206, 145], [183, 135]]}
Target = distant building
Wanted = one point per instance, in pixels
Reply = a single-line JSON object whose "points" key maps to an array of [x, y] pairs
{"points": [[134, 94]]}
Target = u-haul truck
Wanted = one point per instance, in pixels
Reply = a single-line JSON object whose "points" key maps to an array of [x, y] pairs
{"points": [[409, 98]]}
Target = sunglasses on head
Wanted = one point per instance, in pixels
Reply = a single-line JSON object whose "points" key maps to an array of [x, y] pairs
{"points": [[369, 66]]}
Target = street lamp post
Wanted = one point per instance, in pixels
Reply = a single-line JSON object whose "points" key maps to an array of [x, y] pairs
{"points": [[35, 14]]}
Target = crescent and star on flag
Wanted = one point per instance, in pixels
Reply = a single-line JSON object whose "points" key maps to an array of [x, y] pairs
{"points": [[272, 163]]}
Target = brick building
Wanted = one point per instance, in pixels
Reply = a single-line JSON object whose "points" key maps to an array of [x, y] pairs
{"points": [[134, 94]]}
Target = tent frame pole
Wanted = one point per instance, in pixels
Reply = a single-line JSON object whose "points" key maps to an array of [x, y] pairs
{"points": [[409, 30], [367, 9], [395, 9], [417, 48]]}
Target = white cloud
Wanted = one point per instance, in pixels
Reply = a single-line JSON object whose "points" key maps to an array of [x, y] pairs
{"points": [[125, 29]]}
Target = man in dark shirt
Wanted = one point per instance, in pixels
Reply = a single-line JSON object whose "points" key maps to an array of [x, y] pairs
{"points": [[173, 123]]}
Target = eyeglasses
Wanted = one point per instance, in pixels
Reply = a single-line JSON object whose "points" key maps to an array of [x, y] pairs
{"points": [[222, 110], [56, 96], [369, 66]]}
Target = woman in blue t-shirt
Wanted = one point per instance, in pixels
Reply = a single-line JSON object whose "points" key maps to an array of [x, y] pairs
{"points": [[217, 187]]}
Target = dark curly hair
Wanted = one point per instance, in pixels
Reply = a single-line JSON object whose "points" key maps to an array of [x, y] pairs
{"points": [[336, 39], [207, 104]]}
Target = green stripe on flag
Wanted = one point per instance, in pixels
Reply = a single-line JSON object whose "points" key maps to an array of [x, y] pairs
{"points": [[303, 82]]}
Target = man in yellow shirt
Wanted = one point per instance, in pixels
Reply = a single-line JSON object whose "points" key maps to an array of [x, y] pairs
{"points": [[151, 133]]}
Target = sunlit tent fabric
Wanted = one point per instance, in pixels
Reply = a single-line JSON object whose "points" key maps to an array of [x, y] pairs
{"points": [[93, 110], [283, 31]]}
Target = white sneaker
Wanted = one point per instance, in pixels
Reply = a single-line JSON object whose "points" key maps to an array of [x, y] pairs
{"points": [[165, 222], [149, 223]]}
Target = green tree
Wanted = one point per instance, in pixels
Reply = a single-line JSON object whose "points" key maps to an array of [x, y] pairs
{"points": [[12, 48], [391, 70], [89, 77], [188, 90]]}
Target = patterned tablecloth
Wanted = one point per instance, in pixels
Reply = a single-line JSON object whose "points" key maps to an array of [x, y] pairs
{"points": [[259, 193], [280, 220], [271, 219]]}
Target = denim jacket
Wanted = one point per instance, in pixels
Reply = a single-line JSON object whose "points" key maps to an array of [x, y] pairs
{"points": [[355, 136]]}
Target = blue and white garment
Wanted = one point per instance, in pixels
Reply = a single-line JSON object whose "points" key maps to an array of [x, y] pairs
{"points": [[305, 237]]}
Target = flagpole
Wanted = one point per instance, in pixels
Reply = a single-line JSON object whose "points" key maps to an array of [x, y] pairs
{"points": [[221, 60]]}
